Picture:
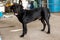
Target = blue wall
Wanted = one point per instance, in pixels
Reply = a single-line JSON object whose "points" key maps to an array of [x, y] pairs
{"points": [[54, 5]]}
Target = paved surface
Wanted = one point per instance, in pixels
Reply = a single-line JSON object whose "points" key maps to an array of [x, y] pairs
{"points": [[10, 29]]}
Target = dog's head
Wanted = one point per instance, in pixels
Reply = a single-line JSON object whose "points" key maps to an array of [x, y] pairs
{"points": [[16, 8]]}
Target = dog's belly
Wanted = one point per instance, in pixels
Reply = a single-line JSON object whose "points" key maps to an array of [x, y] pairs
{"points": [[30, 19]]}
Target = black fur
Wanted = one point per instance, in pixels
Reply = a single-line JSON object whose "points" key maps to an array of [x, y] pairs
{"points": [[27, 16]]}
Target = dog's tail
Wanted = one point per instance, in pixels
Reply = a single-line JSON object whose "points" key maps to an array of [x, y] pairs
{"points": [[48, 12]]}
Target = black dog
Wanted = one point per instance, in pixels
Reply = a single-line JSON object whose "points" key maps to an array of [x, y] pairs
{"points": [[26, 16]]}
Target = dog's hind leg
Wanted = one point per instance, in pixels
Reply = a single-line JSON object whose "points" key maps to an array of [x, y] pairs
{"points": [[47, 21], [24, 30], [44, 24]]}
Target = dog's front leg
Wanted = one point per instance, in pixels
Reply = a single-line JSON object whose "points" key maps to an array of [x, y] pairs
{"points": [[24, 29]]}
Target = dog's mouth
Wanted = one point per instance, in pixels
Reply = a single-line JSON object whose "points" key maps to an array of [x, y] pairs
{"points": [[16, 13]]}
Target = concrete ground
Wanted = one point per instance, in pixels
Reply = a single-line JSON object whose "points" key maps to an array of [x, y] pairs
{"points": [[11, 29]]}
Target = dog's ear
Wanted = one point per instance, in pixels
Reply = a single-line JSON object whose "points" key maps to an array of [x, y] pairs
{"points": [[20, 3], [21, 6]]}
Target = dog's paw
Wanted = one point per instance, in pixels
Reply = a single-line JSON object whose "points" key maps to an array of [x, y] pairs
{"points": [[21, 35], [48, 32], [42, 30]]}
